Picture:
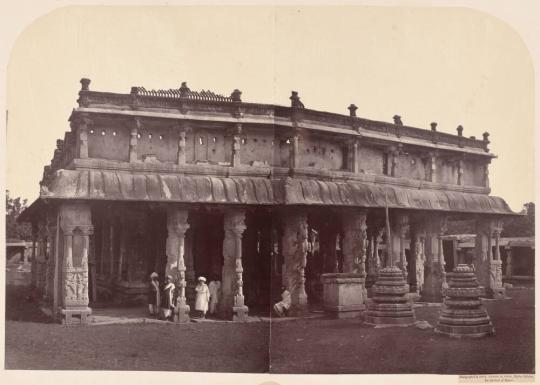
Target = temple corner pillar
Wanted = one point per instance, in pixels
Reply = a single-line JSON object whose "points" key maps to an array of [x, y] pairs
{"points": [[75, 230]]}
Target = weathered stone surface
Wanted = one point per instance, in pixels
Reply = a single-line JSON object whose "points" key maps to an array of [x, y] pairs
{"points": [[390, 302], [462, 314], [344, 294], [294, 243]]}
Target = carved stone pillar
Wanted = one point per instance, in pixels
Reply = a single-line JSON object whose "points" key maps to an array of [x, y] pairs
{"points": [[354, 241], [76, 227], [497, 289], [232, 301], [398, 235], [327, 241], [508, 272], [374, 259], [488, 267], [177, 226], [295, 236], [34, 254], [434, 269], [418, 257]]}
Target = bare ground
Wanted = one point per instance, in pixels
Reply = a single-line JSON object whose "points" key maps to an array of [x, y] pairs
{"points": [[300, 346]]}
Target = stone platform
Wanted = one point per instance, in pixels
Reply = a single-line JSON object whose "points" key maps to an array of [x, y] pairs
{"points": [[344, 294]]}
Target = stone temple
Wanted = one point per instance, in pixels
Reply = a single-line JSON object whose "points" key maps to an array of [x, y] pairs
{"points": [[189, 183]]}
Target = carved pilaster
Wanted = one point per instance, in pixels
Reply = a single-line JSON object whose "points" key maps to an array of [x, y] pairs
{"points": [[133, 140], [81, 125], [236, 145], [295, 236], [181, 155], [353, 147]]}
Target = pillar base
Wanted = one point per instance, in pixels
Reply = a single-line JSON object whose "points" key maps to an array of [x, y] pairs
{"points": [[390, 304], [75, 316], [240, 313], [497, 293], [181, 312]]}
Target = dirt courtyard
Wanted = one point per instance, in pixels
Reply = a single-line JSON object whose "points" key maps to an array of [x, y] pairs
{"points": [[321, 345]]}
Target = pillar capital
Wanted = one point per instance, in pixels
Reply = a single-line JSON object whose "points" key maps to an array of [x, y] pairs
{"points": [[234, 220]]}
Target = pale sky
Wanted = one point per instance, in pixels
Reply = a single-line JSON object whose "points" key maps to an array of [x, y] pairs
{"points": [[451, 66]]}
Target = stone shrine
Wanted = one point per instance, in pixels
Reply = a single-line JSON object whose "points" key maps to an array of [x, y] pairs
{"points": [[463, 314], [188, 183]]}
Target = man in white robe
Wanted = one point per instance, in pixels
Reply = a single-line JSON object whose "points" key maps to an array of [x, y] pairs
{"points": [[202, 297]]}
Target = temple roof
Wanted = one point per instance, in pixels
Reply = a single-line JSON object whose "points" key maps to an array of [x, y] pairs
{"points": [[114, 185]]}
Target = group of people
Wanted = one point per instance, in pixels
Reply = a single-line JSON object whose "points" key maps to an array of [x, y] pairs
{"points": [[162, 298]]}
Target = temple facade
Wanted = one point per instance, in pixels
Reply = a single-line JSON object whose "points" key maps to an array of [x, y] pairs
{"points": [[189, 183]]}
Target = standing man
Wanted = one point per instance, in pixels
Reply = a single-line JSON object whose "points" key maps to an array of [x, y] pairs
{"points": [[154, 295], [168, 299], [202, 296], [214, 287]]}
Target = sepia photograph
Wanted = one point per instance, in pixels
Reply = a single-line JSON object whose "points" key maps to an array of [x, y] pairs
{"points": [[271, 189]]}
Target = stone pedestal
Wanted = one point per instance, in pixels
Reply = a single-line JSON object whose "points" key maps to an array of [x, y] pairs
{"points": [[462, 314], [344, 294], [390, 304]]}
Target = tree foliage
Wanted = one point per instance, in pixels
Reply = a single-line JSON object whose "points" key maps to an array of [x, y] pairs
{"points": [[520, 226], [14, 208]]}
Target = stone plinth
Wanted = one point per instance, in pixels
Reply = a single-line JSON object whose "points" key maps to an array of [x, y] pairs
{"points": [[344, 294], [462, 314], [390, 302], [75, 316]]}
